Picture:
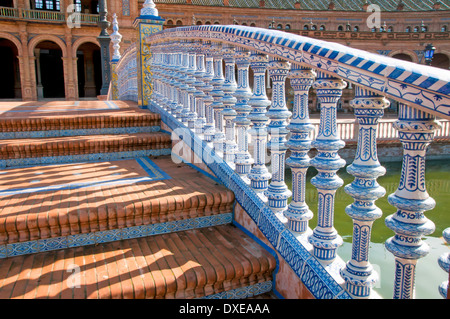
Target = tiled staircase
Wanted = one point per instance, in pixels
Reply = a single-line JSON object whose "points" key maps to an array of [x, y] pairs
{"points": [[92, 206]]}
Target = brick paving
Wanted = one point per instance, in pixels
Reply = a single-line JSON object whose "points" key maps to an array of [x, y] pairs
{"points": [[28, 211], [133, 227], [189, 264]]}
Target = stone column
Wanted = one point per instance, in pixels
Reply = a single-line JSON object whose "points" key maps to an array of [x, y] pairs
{"points": [[39, 87], [89, 84]]}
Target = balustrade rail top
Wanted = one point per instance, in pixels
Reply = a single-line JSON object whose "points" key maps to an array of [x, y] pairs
{"points": [[420, 86]]}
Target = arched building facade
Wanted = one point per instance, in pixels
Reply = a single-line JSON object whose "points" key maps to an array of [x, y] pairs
{"points": [[42, 41]]}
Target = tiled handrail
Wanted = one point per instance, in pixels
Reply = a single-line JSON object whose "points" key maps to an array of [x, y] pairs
{"points": [[417, 85], [177, 69]]}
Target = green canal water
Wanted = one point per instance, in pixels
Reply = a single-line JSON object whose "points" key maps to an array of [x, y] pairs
{"points": [[428, 273]]}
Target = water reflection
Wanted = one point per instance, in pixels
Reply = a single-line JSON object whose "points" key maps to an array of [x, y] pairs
{"points": [[428, 274]]}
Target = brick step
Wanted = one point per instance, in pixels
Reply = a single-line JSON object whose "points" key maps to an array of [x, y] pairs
{"points": [[78, 145], [60, 206], [219, 261], [53, 123]]}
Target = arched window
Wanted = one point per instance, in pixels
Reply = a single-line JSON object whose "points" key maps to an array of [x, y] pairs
{"points": [[216, 22], [179, 22], [199, 23], [314, 27], [408, 29], [355, 28], [305, 27], [416, 29], [253, 25], [444, 28], [279, 26], [287, 27], [390, 29], [348, 27], [207, 22], [340, 28], [374, 29], [169, 22], [424, 28], [322, 28]]}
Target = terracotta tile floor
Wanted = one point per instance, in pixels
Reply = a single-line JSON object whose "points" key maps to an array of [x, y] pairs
{"points": [[59, 200], [187, 264]]}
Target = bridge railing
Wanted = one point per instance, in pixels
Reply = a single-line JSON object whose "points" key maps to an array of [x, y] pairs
{"points": [[193, 76]]}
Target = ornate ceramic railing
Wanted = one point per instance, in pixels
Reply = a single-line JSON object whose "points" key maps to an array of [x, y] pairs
{"points": [[124, 78], [43, 15], [192, 90]]}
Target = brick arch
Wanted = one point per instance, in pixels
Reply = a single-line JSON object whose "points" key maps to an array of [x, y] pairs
{"points": [[412, 54], [81, 41], [13, 39], [46, 37]]}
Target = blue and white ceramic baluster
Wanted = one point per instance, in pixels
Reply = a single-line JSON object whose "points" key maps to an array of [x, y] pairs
{"points": [[278, 113], [298, 213], [208, 129], [228, 101], [192, 115], [259, 174], [217, 94], [416, 131], [199, 86], [358, 273], [155, 76], [164, 77], [325, 238], [176, 107], [185, 86], [444, 262], [179, 83], [243, 93], [172, 78]]}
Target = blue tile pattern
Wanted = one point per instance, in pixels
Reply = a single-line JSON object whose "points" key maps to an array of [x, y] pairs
{"points": [[386, 76], [70, 241], [77, 132]]}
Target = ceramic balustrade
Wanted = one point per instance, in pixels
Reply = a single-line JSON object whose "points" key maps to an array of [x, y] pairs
{"points": [[214, 98]]}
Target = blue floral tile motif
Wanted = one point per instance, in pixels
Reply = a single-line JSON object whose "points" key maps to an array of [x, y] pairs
{"points": [[3, 251], [134, 232], [107, 236], [81, 240], [52, 243], [244, 292], [17, 249]]}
